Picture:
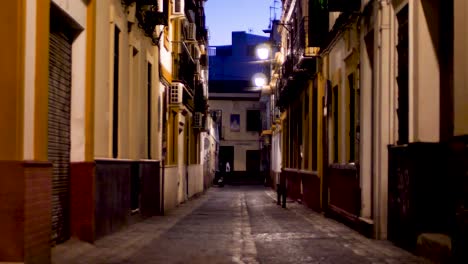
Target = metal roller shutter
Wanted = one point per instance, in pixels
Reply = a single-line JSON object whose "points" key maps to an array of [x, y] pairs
{"points": [[59, 131]]}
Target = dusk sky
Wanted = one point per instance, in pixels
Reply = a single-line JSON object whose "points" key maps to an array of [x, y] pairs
{"points": [[225, 16]]}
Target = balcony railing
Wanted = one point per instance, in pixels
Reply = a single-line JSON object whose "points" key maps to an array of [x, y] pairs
{"points": [[288, 67], [184, 67], [344, 5]]}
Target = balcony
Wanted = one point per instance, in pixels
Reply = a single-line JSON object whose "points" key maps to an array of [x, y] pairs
{"points": [[200, 99], [184, 67], [202, 34], [183, 71], [344, 5]]}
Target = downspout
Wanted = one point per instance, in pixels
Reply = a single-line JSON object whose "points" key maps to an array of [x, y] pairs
{"points": [[383, 114], [162, 166]]}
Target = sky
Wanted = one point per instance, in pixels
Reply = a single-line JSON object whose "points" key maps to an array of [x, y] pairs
{"points": [[225, 16]]}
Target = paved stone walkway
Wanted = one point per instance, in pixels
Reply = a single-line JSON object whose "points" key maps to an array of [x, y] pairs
{"points": [[235, 224]]}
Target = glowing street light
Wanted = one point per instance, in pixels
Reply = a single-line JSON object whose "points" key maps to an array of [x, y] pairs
{"points": [[263, 51], [259, 79]]}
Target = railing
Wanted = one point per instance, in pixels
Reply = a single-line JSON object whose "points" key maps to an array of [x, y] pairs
{"points": [[300, 39], [200, 100], [184, 68], [288, 67]]}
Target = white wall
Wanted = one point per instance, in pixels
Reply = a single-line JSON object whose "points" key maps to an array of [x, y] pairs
{"points": [[171, 181], [30, 77], [366, 129], [133, 92], [276, 152], [337, 75], [78, 90], [242, 140], [102, 100], [425, 73], [236, 107], [195, 179], [77, 10]]}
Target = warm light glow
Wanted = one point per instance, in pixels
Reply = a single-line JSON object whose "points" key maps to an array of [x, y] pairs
{"points": [[263, 51], [259, 79], [259, 82]]}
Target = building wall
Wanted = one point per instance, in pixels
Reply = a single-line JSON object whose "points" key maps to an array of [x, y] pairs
{"points": [[236, 66], [26, 73], [102, 85], [243, 140], [171, 183], [136, 51], [229, 107], [425, 84], [460, 68]]}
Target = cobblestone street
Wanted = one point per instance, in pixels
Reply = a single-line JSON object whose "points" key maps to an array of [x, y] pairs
{"points": [[235, 225]]}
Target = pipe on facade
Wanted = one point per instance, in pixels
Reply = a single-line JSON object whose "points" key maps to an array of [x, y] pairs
{"points": [[383, 119]]}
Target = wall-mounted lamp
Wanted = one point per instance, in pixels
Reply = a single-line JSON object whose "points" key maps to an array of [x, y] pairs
{"points": [[263, 51], [148, 17], [259, 79]]}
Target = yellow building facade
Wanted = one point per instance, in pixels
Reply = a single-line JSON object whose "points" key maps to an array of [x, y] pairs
{"points": [[86, 113], [388, 92]]}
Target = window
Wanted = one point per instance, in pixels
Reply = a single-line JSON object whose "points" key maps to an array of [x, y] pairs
{"points": [[306, 131], [314, 126], [174, 137], [352, 118], [165, 127], [177, 6], [149, 124], [335, 124], [298, 135], [115, 99], [254, 121], [285, 142], [235, 123], [193, 151], [402, 79], [217, 116]]}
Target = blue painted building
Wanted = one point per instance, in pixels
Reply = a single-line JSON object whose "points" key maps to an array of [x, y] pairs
{"points": [[237, 61], [235, 102]]}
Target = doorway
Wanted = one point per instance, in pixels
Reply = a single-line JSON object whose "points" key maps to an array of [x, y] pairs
{"points": [[253, 164], [226, 154]]}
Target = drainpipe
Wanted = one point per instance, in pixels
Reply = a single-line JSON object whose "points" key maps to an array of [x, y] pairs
{"points": [[383, 114], [161, 164]]}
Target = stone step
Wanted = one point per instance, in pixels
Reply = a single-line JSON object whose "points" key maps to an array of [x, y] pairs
{"points": [[434, 247]]}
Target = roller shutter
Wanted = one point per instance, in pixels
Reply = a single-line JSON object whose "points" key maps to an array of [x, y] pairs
{"points": [[59, 131]]}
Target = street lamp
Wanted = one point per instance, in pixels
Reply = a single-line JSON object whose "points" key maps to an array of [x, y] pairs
{"points": [[263, 51], [259, 79]]}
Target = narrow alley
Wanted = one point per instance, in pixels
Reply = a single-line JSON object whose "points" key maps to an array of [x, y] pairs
{"points": [[120, 121], [235, 224]]}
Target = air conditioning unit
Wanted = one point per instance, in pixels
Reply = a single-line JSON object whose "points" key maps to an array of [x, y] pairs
{"points": [[198, 120], [191, 31], [176, 92], [178, 7], [131, 11]]}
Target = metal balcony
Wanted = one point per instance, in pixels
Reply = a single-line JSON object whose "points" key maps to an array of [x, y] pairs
{"points": [[344, 5]]}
